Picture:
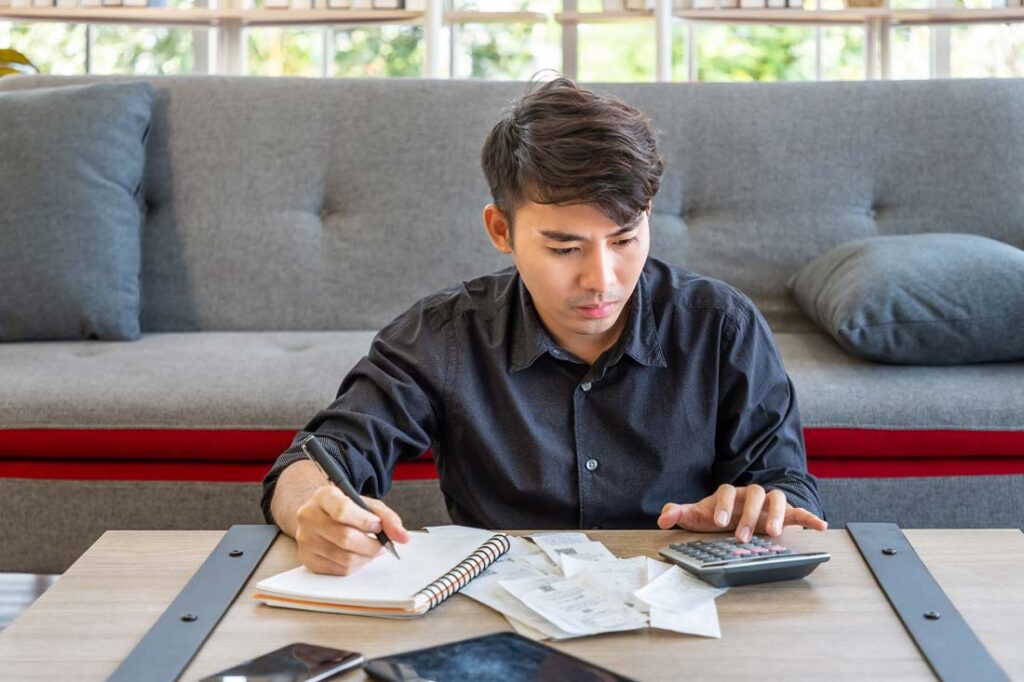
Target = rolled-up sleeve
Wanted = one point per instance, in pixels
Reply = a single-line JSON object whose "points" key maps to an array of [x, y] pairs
{"points": [[759, 437], [389, 407]]}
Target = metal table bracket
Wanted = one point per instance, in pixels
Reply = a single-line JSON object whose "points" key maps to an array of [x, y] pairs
{"points": [[169, 646], [945, 640]]}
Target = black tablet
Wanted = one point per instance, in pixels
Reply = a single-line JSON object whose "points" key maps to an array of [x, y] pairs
{"points": [[504, 657]]}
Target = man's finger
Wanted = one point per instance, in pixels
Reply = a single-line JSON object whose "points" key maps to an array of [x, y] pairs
{"points": [[777, 504], [725, 499], [334, 563], [390, 521], [351, 539], [318, 564], [804, 518], [754, 500], [669, 515], [346, 512]]}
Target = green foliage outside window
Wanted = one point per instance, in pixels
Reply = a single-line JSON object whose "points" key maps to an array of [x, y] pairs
{"points": [[607, 52], [285, 52], [378, 51], [53, 48], [150, 50]]}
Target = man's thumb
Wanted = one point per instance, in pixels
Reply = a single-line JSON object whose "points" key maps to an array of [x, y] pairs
{"points": [[670, 515]]}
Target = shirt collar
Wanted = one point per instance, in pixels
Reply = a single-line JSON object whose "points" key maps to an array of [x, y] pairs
{"points": [[639, 337], [529, 338]]}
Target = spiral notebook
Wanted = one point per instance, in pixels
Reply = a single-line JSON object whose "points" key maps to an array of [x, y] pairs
{"points": [[432, 568]]}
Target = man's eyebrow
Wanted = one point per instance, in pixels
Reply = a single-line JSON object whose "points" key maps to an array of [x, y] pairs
{"points": [[559, 236]]}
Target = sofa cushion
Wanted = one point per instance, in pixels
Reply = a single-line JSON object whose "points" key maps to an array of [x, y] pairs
{"points": [[71, 164], [278, 381], [222, 406], [207, 380], [919, 299], [862, 418]]}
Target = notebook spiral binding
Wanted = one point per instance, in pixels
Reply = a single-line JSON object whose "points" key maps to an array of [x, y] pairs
{"points": [[467, 569]]}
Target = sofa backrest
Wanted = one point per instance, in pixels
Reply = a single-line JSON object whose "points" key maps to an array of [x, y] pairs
{"points": [[278, 204]]}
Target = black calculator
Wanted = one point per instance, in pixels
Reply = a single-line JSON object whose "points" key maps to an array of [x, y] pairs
{"points": [[729, 562]]}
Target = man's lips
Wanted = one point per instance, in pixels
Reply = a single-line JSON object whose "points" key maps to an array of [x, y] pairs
{"points": [[597, 310]]}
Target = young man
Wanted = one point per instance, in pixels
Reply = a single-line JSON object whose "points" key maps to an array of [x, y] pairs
{"points": [[588, 386]]}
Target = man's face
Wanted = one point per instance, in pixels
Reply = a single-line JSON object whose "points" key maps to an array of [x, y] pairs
{"points": [[580, 267]]}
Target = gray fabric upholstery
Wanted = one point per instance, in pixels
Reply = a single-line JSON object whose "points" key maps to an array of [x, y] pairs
{"points": [[356, 179], [71, 163], [279, 380], [933, 502], [836, 389], [271, 380], [938, 299], [41, 537]]}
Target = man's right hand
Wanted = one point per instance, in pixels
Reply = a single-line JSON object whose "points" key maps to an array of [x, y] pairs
{"points": [[335, 535]]}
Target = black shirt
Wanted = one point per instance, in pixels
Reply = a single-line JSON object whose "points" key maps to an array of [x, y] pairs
{"points": [[527, 435]]}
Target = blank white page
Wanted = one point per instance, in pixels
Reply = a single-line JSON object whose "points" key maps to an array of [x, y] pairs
{"points": [[385, 581]]}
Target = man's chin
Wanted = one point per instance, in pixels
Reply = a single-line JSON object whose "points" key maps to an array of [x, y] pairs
{"points": [[592, 327]]}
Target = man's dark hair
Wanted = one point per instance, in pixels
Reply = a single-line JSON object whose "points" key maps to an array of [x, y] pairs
{"points": [[562, 144]]}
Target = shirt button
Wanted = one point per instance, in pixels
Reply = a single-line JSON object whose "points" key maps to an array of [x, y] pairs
{"points": [[591, 464], [585, 386]]}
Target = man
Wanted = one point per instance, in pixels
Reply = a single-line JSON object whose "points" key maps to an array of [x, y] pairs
{"points": [[588, 386]]}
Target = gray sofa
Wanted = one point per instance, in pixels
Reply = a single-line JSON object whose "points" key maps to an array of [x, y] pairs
{"points": [[288, 219]]}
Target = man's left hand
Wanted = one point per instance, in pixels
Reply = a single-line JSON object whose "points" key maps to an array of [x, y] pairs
{"points": [[747, 509]]}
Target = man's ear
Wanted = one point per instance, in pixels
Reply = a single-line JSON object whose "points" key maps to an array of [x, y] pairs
{"points": [[498, 228]]}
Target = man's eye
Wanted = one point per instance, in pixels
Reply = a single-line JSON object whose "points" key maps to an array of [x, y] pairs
{"points": [[563, 252], [626, 242]]}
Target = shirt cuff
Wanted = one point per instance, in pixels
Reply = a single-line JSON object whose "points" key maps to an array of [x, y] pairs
{"points": [[290, 456]]}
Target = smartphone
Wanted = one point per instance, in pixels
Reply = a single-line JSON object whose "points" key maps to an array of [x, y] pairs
{"points": [[505, 656], [292, 663]]}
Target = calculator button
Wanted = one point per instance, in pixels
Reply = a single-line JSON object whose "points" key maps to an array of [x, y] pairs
{"points": [[741, 552]]}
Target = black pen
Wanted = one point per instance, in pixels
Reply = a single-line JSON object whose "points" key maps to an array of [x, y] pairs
{"points": [[335, 475]]}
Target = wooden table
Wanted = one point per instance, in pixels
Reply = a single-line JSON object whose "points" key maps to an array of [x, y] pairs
{"points": [[835, 623]]}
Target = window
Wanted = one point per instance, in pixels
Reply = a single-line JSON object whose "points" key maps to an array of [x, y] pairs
{"points": [[378, 51], [619, 51], [53, 48], [285, 51], [155, 50], [755, 53]]}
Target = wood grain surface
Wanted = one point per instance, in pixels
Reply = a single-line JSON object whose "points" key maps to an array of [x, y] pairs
{"points": [[836, 623]]}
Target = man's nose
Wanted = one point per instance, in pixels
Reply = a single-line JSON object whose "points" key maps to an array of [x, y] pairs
{"points": [[598, 271]]}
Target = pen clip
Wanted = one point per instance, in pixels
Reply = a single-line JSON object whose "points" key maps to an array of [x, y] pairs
{"points": [[311, 458]]}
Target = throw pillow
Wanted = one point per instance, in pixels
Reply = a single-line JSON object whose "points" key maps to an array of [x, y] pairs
{"points": [[932, 299], [71, 165]]}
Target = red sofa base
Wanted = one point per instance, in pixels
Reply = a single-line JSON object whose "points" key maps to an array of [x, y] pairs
{"points": [[242, 455]]}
